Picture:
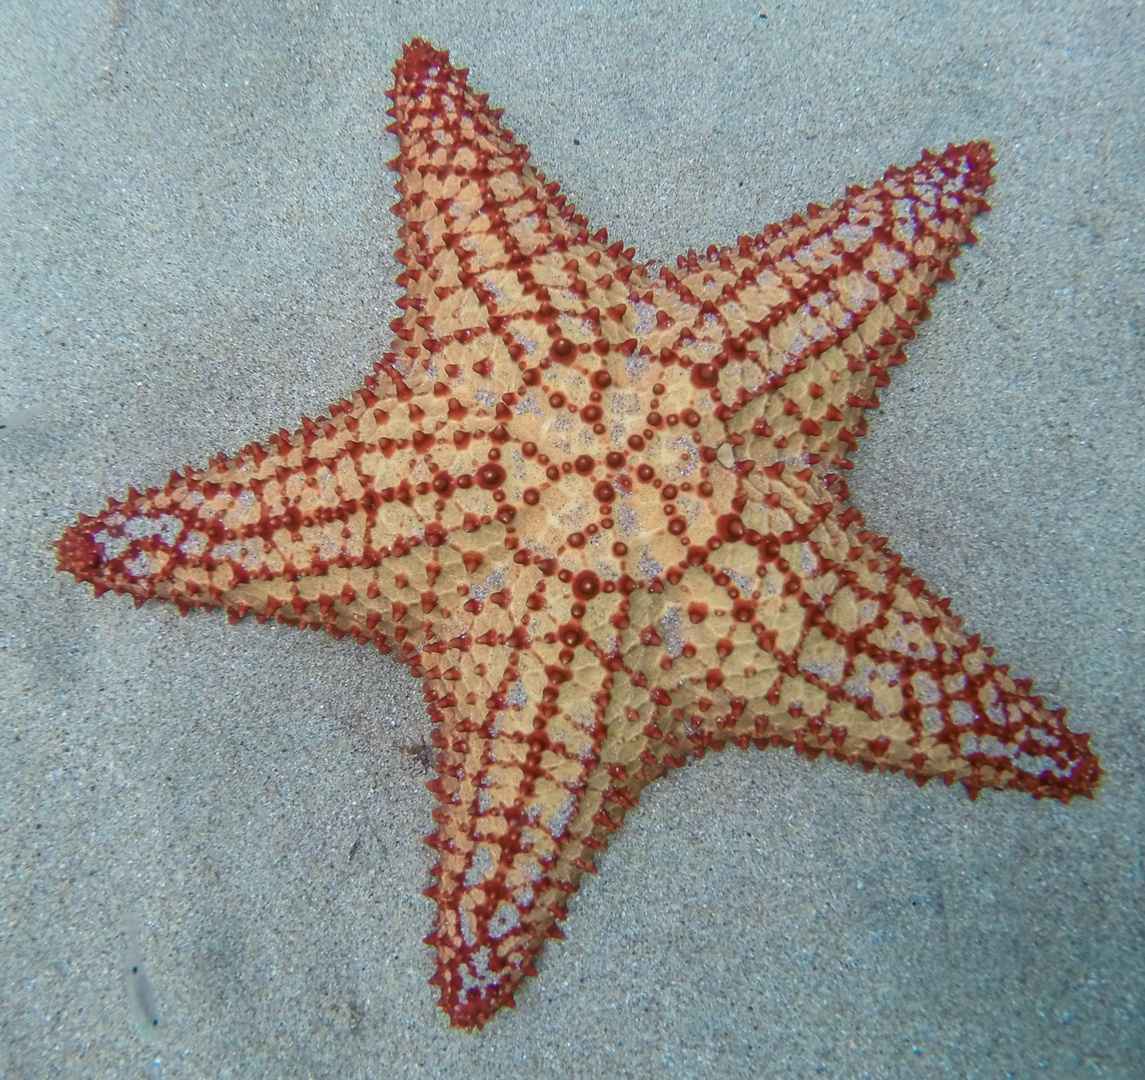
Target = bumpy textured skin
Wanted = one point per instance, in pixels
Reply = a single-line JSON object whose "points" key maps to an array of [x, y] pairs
{"points": [[598, 509]]}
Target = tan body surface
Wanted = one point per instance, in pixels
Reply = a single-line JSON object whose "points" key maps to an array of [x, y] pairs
{"points": [[600, 512]]}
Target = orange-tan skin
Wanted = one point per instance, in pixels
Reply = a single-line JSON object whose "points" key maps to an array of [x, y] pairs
{"points": [[599, 511]]}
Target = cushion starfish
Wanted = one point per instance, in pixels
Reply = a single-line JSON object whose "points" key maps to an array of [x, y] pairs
{"points": [[598, 510]]}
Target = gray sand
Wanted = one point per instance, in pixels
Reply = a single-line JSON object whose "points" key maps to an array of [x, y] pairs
{"points": [[197, 250]]}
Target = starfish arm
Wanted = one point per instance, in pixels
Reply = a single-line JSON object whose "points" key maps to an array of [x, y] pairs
{"points": [[501, 272], [786, 337], [809, 632], [315, 530], [516, 768]]}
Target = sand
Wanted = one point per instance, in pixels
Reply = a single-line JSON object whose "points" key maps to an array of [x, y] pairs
{"points": [[197, 250]]}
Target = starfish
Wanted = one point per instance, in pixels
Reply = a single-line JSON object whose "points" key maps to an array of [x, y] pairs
{"points": [[599, 510]]}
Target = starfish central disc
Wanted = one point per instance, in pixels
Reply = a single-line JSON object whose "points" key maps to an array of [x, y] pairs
{"points": [[599, 511]]}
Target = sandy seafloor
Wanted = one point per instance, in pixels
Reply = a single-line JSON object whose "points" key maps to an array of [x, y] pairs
{"points": [[196, 250]]}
